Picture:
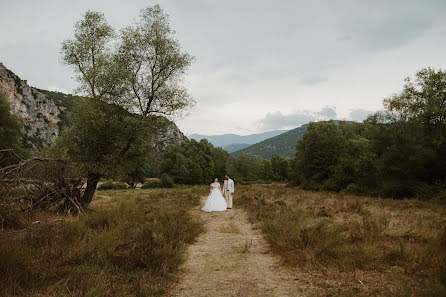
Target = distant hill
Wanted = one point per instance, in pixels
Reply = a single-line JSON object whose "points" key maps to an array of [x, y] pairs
{"points": [[283, 144], [235, 147], [234, 139]]}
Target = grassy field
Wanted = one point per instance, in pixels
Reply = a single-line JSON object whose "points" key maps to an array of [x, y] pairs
{"points": [[353, 246], [130, 243]]}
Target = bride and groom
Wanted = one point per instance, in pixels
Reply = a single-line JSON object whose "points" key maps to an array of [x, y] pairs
{"points": [[216, 201]]}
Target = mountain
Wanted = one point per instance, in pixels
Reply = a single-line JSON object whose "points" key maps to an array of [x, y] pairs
{"points": [[39, 114], [233, 139], [45, 113], [283, 144], [235, 147]]}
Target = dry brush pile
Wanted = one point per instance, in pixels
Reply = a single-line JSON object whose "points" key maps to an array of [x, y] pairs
{"points": [[36, 183]]}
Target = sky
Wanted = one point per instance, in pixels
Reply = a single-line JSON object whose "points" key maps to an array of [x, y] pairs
{"points": [[259, 65]]}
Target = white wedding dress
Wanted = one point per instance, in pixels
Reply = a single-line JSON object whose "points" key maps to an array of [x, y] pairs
{"points": [[215, 201]]}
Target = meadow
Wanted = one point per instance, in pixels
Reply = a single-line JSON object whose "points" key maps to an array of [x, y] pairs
{"points": [[133, 242], [130, 243], [353, 246]]}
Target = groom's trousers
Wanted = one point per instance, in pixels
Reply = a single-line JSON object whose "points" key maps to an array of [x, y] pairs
{"points": [[228, 199]]}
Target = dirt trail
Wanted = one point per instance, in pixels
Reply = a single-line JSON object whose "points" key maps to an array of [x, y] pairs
{"points": [[232, 259]]}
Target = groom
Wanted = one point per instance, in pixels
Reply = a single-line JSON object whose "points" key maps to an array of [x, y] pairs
{"points": [[228, 189]]}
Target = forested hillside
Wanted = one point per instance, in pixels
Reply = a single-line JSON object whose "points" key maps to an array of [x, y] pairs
{"points": [[283, 145], [232, 139]]}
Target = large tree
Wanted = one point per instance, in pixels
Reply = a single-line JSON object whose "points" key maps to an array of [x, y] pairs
{"points": [[103, 137], [154, 64]]}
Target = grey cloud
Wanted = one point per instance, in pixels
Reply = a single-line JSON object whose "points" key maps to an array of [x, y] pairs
{"points": [[277, 120], [313, 80], [379, 25], [345, 37], [359, 114], [240, 44], [328, 112]]}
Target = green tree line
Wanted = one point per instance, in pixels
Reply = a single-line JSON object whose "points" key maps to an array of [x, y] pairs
{"points": [[398, 152], [198, 162]]}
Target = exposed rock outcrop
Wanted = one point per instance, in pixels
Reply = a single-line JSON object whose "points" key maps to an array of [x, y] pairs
{"points": [[39, 114]]}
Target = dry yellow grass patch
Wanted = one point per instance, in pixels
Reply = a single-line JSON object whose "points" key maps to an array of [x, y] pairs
{"points": [[229, 228], [130, 243], [354, 246]]}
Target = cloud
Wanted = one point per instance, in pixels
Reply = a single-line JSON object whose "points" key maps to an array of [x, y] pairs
{"points": [[278, 120], [359, 114], [345, 37], [313, 79], [328, 112], [269, 58]]}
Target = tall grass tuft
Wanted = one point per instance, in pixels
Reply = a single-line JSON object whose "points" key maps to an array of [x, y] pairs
{"points": [[132, 242]]}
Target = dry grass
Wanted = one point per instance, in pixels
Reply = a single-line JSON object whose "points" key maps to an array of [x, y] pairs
{"points": [[230, 228], [131, 243], [245, 246], [354, 246]]}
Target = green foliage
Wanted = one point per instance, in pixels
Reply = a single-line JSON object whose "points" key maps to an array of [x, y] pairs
{"points": [[109, 185], [141, 72], [152, 64], [166, 181], [136, 175], [10, 133], [193, 162], [89, 53], [396, 153], [105, 139], [283, 145]]}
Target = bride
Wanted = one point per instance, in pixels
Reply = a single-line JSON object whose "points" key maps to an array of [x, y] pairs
{"points": [[215, 201]]}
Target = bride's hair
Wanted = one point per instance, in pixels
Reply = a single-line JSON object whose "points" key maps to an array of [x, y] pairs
{"points": [[213, 180]]}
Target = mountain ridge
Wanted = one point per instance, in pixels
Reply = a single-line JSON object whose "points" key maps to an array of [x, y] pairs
{"points": [[283, 144], [233, 139]]}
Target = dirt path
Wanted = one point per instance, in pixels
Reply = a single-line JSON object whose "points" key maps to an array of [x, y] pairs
{"points": [[232, 259]]}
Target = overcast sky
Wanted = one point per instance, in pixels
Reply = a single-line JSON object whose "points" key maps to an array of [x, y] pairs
{"points": [[260, 65]]}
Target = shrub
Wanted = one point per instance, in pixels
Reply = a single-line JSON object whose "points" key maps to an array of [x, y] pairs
{"points": [[109, 185], [166, 181]]}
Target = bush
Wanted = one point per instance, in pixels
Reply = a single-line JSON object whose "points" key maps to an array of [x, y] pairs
{"points": [[166, 181], [109, 185]]}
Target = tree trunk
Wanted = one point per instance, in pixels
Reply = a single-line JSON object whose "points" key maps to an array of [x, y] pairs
{"points": [[92, 182]]}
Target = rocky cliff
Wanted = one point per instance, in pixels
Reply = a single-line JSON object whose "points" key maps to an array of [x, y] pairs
{"points": [[45, 113], [38, 114]]}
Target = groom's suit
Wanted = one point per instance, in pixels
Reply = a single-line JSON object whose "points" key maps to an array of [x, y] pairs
{"points": [[228, 189]]}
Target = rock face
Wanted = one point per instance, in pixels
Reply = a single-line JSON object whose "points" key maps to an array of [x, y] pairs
{"points": [[39, 114], [44, 113], [171, 137]]}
